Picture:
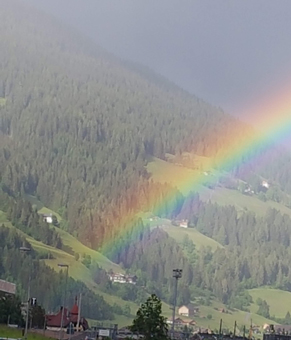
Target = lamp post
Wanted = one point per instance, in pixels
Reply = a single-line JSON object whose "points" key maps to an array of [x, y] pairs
{"points": [[177, 274], [62, 317], [27, 250]]}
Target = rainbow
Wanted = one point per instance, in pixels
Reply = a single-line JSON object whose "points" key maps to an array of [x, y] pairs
{"points": [[273, 120]]}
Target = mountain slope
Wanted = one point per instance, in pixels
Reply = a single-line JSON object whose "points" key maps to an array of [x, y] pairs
{"points": [[79, 130], [77, 124]]}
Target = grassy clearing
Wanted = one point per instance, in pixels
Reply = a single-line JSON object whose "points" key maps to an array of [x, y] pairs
{"points": [[72, 243], [278, 300], [176, 175], [78, 247], [178, 234], [242, 202], [181, 177], [198, 239], [242, 318]]}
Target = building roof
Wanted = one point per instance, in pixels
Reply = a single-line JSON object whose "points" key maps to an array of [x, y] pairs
{"points": [[7, 287], [75, 308], [54, 320]]}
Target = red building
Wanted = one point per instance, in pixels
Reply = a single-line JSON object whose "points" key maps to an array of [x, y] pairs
{"points": [[54, 320]]}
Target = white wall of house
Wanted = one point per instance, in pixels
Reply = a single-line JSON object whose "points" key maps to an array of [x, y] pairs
{"points": [[48, 219], [184, 310]]}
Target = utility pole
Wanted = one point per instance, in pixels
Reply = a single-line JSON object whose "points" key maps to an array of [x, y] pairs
{"points": [[79, 312], [27, 250], [220, 329], [62, 320], [177, 274]]}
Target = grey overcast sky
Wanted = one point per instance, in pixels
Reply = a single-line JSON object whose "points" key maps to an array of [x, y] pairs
{"points": [[228, 52]]}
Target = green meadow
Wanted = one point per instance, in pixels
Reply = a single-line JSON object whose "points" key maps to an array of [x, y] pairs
{"points": [[240, 317], [198, 239], [166, 172], [278, 300], [7, 332]]}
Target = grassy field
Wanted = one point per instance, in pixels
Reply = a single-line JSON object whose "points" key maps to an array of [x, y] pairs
{"points": [[278, 300], [228, 319], [178, 176], [178, 234], [198, 239], [7, 332], [81, 249], [182, 177]]}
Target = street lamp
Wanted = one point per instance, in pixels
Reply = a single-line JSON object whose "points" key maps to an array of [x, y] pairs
{"points": [[62, 265], [27, 250], [177, 274]]}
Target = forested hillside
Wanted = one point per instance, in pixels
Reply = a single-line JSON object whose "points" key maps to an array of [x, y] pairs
{"points": [[77, 129], [47, 286], [77, 124]]}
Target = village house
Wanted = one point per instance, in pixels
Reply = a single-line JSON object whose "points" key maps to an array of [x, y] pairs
{"points": [[265, 184], [180, 223], [189, 310], [122, 278], [183, 224], [48, 218]]}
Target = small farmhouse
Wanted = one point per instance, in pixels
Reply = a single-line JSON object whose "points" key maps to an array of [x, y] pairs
{"points": [[180, 223], [189, 310], [184, 224], [48, 218], [265, 184]]}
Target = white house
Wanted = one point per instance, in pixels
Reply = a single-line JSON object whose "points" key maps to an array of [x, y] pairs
{"points": [[118, 278], [265, 184], [188, 310], [48, 218], [183, 224]]}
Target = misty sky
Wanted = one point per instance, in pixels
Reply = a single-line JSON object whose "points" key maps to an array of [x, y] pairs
{"points": [[228, 52]]}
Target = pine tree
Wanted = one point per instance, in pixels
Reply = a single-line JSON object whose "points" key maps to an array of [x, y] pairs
{"points": [[149, 320]]}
